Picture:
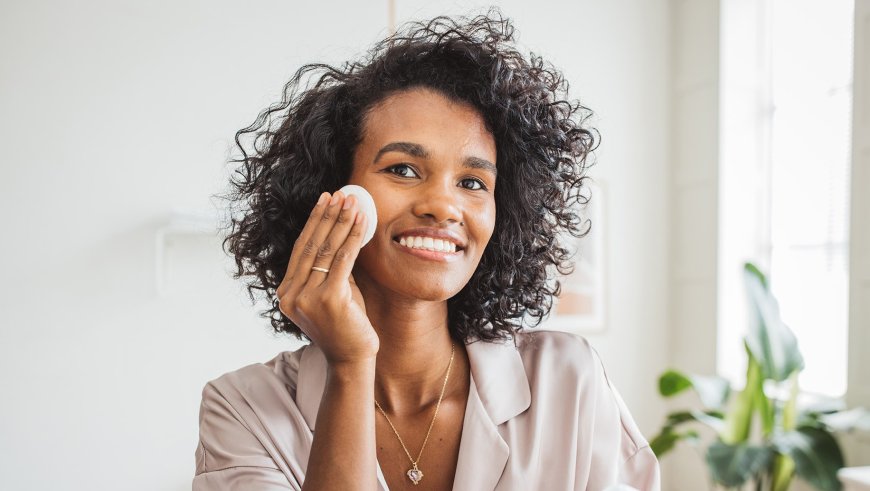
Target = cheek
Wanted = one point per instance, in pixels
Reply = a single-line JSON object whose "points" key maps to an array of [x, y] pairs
{"points": [[488, 221], [366, 256], [386, 215]]}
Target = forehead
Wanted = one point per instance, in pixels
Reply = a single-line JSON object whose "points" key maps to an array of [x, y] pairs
{"points": [[427, 117]]}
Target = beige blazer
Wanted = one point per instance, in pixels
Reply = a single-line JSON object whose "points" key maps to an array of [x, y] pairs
{"points": [[541, 415]]}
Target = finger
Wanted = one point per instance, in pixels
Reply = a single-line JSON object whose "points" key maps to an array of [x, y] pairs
{"points": [[322, 223], [336, 238], [311, 248], [314, 219], [345, 257]]}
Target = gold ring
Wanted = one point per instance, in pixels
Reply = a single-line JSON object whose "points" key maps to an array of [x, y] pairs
{"points": [[322, 270]]}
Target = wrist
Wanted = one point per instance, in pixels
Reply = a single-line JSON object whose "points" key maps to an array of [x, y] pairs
{"points": [[354, 371]]}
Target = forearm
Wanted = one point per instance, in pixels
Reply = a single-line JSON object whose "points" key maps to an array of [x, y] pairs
{"points": [[343, 454]]}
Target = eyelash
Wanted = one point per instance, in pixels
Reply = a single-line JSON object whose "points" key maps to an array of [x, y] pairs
{"points": [[482, 185]]}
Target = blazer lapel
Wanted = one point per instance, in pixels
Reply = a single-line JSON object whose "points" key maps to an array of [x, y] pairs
{"points": [[483, 453], [499, 391]]}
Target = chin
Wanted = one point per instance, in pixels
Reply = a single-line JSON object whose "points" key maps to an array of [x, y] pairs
{"points": [[431, 293], [438, 287]]}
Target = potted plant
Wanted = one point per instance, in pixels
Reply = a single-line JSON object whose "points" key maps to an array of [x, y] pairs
{"points": [[792, 440]]}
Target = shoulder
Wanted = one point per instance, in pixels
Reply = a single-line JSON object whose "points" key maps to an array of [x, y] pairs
{"points": [[280, 371], [551, 340], [566, 367], [570, 354], [252, 395], [241, 409]]}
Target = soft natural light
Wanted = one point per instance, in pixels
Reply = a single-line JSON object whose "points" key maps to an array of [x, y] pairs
{"points": [[797, 162]]}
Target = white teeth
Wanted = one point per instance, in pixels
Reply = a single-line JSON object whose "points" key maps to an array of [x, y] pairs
{"points": [[428, 243]]}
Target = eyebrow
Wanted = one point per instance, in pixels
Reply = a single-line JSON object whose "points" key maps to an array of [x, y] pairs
{"points": [[417, 150]]}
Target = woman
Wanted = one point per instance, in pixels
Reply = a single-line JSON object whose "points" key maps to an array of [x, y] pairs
{"points": [[419, 374]]}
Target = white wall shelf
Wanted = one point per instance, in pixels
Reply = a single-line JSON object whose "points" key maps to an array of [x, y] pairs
{"points": [[181, 222]]}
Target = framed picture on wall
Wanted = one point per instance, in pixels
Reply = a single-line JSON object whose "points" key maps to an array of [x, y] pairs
{"points": [[579, 308]]}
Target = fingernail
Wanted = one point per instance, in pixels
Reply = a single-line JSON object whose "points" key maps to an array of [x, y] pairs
{"points": [[322, 198], [347, 202], [335, 198]]}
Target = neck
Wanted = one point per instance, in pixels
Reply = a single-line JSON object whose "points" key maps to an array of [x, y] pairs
{"points": [[415, 350]]}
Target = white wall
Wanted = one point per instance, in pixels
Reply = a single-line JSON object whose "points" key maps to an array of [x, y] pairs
{"points": [[693, 208], [115, 113]]}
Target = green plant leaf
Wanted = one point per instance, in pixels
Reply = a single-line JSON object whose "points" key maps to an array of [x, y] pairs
{"points": [[855, 418], [811, 413], [712, 390], [789, 411], [816, 455], [672, 383], [733, 465], [713, 419], [770, 340], [738, 420], [821, 404], [783, 472], [766, 409], [664, 442]]}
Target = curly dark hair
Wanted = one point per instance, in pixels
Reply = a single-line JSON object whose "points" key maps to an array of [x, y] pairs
{"points": [[542, 146]]}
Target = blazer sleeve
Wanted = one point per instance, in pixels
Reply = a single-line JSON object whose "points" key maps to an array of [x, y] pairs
{"points": [[229, 456], [641, 469], [627, 462]]}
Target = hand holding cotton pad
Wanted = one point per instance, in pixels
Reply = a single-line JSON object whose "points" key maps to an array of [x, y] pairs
{"points": [[367, 206]]}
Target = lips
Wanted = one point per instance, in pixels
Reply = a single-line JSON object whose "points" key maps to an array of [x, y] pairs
{"points": [[436, 256]]}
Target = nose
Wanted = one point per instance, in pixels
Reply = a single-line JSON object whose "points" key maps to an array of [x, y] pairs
{"points": [[438, 200]]}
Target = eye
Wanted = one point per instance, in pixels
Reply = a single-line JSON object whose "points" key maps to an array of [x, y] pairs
{"points": [[478, 181], [391, 168]]}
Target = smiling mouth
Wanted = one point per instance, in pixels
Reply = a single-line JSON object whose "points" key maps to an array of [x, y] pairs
{"points": [[442, 257], [459, 248]]}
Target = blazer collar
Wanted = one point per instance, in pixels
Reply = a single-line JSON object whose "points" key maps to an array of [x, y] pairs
{"points": [[497, 370], [499, 379]]}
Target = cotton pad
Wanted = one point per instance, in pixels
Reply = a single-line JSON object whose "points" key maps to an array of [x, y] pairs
{"points": [[367, 206]]}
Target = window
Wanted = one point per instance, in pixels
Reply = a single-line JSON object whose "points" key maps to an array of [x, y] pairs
{"points": [[786, 72]]}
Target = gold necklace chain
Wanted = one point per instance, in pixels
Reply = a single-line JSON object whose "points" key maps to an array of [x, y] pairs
{"points": [[414, 473]]}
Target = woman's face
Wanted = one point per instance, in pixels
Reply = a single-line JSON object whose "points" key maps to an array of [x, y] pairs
{"points": [[429, 164]]}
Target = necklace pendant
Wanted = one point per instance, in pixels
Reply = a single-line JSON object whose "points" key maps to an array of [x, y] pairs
{"points": [[415, 475]]}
